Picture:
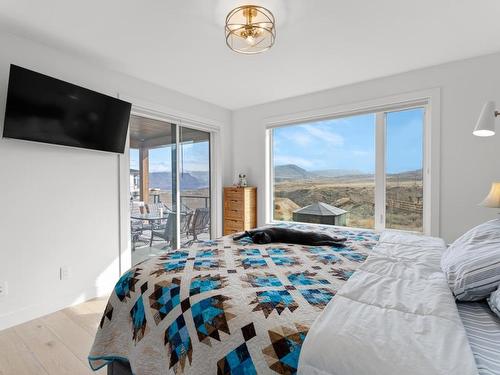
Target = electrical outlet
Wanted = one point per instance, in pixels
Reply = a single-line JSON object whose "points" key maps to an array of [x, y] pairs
{"points": [[3, 289], [64, 273]]}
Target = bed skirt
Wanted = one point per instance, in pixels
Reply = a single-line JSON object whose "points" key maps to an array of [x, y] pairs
{"points": [[119, 368]]}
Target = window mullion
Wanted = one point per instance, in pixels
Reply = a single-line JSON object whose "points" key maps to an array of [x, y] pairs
{"points": [[380, 130], [270, 175], [177, 187]]}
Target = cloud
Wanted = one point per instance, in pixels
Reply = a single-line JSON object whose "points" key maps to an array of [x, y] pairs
{"points": [[196, 166], [332, 138], [296, 136], [300, 138], [306, 134], [159, 167]]}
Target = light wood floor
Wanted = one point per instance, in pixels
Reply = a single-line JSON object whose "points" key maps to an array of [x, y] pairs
{"points": [[54, 344]]}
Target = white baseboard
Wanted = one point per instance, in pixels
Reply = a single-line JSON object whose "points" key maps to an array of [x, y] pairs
{"points": [[28, 313]]}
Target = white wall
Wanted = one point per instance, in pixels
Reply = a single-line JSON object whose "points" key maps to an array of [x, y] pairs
{"points": [[468, 164], [59, 206]]}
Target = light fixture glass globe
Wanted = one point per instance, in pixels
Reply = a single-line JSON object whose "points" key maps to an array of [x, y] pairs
{"points": [[250, 29]]}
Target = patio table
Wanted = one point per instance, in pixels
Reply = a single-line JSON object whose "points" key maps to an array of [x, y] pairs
{"points": [[151, 218]]}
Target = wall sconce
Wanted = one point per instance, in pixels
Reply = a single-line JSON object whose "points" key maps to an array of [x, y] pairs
{"points": [[485, 126]]}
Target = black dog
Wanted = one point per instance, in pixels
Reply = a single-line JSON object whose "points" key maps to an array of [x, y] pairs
{"points": [[292, 236]]}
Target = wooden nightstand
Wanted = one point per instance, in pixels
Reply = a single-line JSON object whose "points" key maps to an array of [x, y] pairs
{"points": [[240, 209]]}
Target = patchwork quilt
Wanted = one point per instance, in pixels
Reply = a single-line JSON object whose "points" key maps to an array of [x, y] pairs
{"points": [[224, 307]]}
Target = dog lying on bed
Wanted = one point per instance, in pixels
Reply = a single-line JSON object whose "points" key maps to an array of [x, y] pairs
{"points": [[292, 236]]}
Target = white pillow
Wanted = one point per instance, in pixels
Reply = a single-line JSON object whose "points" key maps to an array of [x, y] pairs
{"points": [[472, 263], [494, 302]]}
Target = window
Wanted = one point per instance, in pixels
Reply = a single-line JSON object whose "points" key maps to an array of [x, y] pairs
{"points": [[404, 165], [363, 171]]}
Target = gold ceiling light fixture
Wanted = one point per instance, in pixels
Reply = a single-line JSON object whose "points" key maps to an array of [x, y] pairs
{"points": [[250, 29]]}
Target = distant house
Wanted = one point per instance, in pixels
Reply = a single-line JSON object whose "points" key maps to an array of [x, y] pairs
{"points": [[321, 213]]}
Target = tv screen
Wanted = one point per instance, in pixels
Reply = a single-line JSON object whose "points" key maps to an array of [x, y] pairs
{"points": [[44, 109]]}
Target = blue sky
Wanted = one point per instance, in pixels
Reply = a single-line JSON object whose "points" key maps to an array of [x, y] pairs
{"points": [[196, 158], [349, 143], [346, 143]]}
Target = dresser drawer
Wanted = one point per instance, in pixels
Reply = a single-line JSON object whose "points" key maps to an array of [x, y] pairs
{"points": [[234, 193], [228, 231], [234, 208], [234, 224], [234, 214]]}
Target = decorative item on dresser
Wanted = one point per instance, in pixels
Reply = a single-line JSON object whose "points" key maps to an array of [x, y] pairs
{"points": [[240, 209]]}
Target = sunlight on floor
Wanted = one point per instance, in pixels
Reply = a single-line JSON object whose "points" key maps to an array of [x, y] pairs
{"points": [[56, 344]]}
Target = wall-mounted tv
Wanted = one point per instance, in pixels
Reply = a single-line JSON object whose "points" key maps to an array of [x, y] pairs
{"points": [[44, 109]]}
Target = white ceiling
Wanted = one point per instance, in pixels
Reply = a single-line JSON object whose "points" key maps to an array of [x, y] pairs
{"points": [[320, 43]]}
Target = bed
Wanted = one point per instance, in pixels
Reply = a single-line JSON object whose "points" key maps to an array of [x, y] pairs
{"points": [[230, 307], [483, 331]]}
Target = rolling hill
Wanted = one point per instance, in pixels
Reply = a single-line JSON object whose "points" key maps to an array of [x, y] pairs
{"points": [[292, 172], [189, 180]]}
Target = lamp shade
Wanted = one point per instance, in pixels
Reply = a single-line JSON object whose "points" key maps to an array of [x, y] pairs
{"points": [[485, 126], [493, 198]]}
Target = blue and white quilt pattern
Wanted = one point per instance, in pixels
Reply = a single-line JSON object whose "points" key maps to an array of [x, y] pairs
{"points": [[224, 307]]}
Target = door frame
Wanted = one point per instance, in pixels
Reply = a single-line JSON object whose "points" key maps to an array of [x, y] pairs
{"points": [[161, 113]]}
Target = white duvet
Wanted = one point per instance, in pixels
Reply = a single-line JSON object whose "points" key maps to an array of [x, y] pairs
{"points": [[395, 316]]}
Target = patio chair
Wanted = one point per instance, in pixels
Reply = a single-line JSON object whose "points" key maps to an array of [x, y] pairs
{"points": [[200, 223], [165, 231], [154, 208], [136, 231], [137, 207], [137, 227]]}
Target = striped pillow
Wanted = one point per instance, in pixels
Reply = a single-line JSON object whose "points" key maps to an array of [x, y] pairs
{"points": [[494, 302], [472, 262]]}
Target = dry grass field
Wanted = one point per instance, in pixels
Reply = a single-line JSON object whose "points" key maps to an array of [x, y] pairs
{"points": [[355, 195]]}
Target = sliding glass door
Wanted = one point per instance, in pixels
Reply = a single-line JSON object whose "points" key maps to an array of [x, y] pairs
{"points": [[194, 187], [169, 187]]}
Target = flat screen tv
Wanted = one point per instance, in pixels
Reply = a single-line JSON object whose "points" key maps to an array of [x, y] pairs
{"points": [[44, 109]]}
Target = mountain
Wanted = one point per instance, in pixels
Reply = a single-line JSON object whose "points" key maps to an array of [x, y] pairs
{"points": [[202, 176], [407, 175], [163, 180], [291, 172], [294, 172]]}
